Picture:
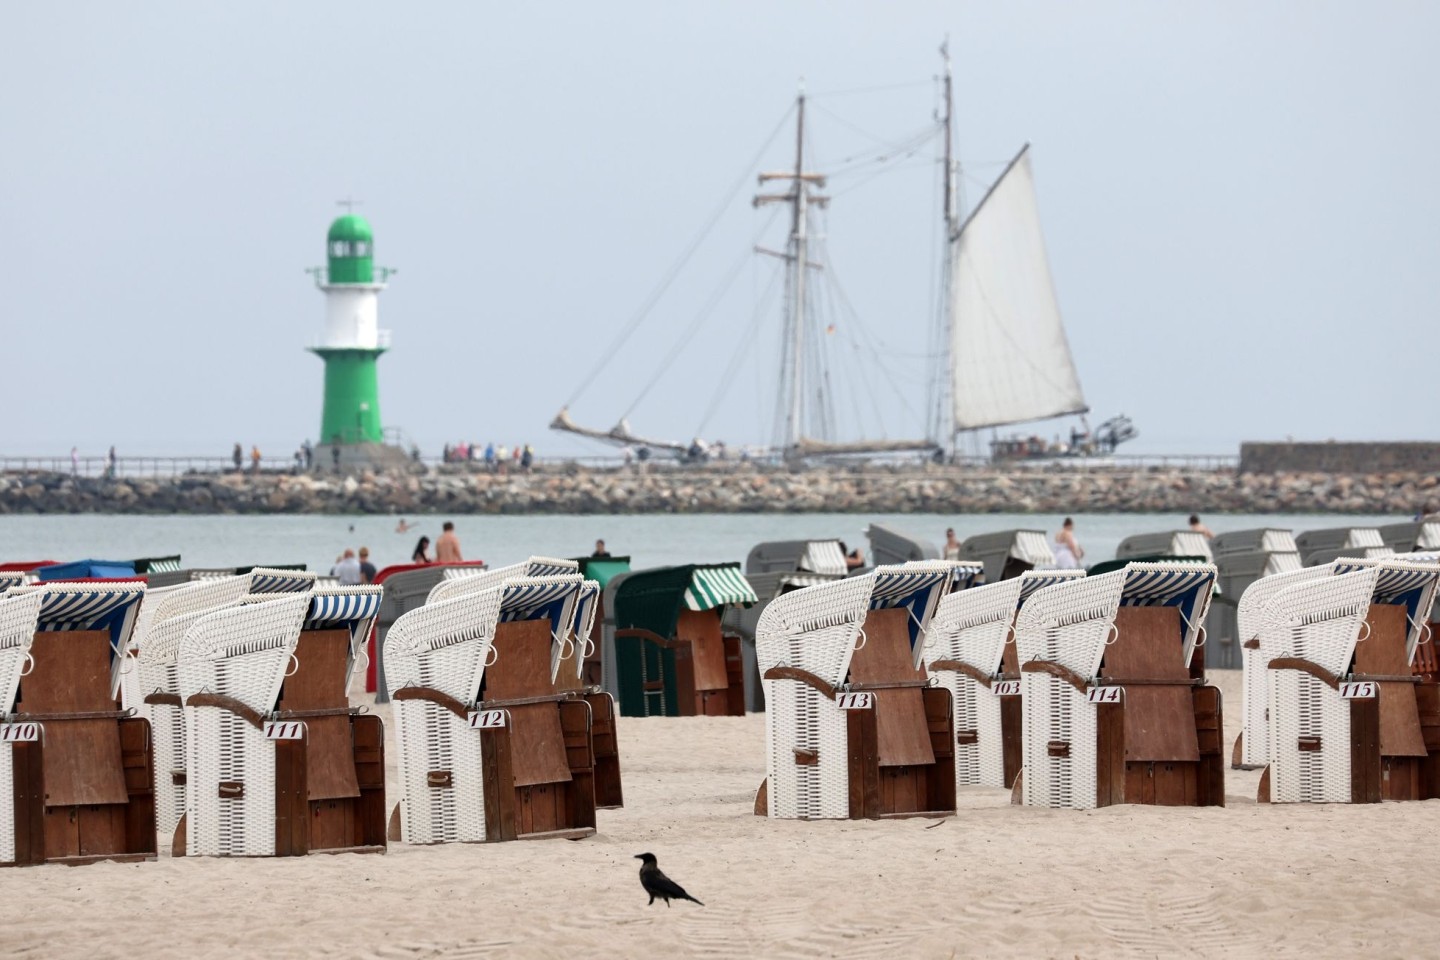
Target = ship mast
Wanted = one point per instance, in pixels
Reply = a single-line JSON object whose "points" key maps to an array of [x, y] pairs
{"points": [[798, 264], [942, 423]]}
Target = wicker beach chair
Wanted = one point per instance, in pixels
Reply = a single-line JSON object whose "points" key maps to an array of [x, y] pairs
{"points": [[79, 767], [153, 686], [854, 728], [277, 762], [1114, 704], [576, 655], [968, 648], [494, 730], [668, 654], [1252, 746], [1344, 721]]}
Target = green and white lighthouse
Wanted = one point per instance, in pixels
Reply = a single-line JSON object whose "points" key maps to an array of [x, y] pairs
{"points": [[352, 342]]}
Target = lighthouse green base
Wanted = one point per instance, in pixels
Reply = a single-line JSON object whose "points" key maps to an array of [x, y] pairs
{"points": [[352, 397]]}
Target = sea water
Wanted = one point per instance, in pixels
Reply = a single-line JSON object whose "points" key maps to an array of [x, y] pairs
{"points": [[649, 540]]}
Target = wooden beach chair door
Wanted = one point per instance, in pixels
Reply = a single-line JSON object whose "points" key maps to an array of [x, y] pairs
{"points": [[702, 675], [90, 796], [1402, 743], [1011, 720], [551, 788], [1149, 744], [901, 760], [1426, 668], [330, 787]]}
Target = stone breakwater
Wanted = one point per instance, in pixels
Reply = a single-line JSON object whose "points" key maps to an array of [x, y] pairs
{"points": [[729, 489]]}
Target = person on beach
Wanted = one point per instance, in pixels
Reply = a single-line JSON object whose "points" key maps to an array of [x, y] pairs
{"points": [[367, 569], [1197, 527], [853, 558], [600, 550], [422, 551], [952, 546], [1068, 553], [347, 571], [447, 548]]}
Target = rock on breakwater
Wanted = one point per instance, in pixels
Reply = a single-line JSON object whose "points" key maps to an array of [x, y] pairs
{"points": [[729, 488]]}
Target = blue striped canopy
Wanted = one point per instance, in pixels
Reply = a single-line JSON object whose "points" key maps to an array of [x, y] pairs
{"points": [[917, 592], [538, 601], [545, 567], [281, 581], [1187, 589], [1039, 579], [1395, 587], [341, 609], [9, 579], [92, 607], [965, 574]]}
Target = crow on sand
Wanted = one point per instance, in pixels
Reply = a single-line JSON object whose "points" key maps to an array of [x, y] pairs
{"points": [[657, 884]]}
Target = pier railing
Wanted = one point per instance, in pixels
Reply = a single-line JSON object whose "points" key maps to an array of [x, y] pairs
{"points": [[132, 467]]}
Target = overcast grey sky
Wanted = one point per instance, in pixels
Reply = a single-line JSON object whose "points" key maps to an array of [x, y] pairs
{"points": [[1240, 201]]}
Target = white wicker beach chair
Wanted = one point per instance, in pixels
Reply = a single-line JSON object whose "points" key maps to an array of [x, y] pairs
{"points": [[153, 686], [806, 642], [455, 731], [86, 791], [1339, 651], [277, 762], [1062, 637], [964, 648], [1254, 745], [19, 619]]}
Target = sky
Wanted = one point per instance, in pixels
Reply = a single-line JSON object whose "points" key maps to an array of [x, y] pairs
{"points": [[1239, 200]]}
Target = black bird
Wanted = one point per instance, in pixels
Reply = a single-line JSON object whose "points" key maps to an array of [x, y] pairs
{"points": [[657, 884]]}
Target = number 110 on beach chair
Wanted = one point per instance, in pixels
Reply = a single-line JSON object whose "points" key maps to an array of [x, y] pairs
{"points": [[75, 769]]}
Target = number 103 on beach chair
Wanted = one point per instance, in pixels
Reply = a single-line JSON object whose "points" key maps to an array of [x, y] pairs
{"points": [[854, 727], [1115, 705]]}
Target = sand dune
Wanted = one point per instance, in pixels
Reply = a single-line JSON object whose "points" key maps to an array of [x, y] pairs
{"points": [[1246, 880]]}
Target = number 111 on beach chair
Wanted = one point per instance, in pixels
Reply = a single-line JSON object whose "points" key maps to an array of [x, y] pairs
{"points": [[277, 761], [855, 729], [1115, 705]]}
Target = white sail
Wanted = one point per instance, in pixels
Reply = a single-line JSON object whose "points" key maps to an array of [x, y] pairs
{"points": [[1009, 359]]}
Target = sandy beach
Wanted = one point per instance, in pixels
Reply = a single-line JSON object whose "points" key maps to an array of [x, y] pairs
{"points": [[996, 880]]}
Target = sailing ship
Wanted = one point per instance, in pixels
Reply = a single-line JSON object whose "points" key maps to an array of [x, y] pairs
{"points": [[1001, 356]]}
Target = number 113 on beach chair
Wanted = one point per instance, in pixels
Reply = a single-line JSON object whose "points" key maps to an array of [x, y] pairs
{"points": [[855, 729]]}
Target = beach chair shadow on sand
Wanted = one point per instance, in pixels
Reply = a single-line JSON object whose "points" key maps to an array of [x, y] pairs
{"points": [[1114, 703], [76, 773], [970, 649], [277, 761], [1351, 715], [495, 728], [854, 727]]}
